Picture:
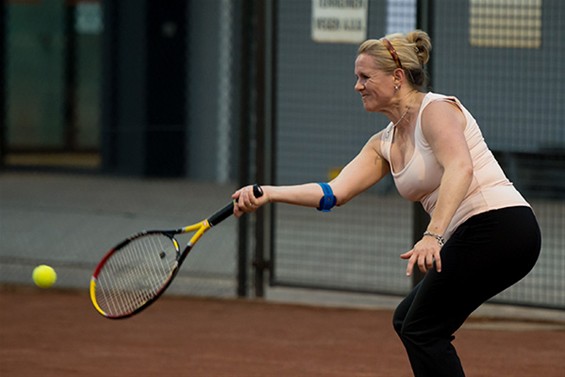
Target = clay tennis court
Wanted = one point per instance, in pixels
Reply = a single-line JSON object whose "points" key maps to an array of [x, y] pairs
{"points": [[58, 333]]}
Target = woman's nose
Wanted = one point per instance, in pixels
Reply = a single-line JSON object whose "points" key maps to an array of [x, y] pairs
{"points": [[359, 86]]}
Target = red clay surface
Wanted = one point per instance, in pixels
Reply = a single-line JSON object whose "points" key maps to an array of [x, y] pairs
{"points": [[53, 333]]}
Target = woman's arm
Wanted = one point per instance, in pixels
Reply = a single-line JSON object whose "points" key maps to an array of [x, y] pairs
{"points": [[366, 169], [444, 128], [443, 125]]}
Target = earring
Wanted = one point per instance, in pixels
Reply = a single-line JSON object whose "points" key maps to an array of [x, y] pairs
{"points": [[396, 87]]}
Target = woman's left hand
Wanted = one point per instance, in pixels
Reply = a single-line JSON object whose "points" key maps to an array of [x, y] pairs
{"points": [[423, 254]]}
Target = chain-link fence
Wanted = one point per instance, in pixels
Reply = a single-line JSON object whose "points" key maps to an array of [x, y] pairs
{"points": [[501, 58], [294, 113]]}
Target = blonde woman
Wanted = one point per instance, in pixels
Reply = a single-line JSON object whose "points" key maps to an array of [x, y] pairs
{"points": [[482, 236]]}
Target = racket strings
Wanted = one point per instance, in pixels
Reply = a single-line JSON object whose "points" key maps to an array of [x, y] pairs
{"points": [[135, 274]]}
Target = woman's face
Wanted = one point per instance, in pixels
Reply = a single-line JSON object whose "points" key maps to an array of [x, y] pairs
{"points": [[375, 86]]}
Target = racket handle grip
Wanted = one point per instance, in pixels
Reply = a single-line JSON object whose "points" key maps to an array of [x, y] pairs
{"points": [[227, 211], [221, 215], [257, 191]]}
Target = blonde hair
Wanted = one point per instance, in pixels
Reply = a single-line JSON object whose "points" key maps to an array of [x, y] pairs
{"points": [[412, 52]]}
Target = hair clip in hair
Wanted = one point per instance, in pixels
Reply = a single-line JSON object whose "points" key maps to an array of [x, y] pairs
{"points": [[392, 52]]}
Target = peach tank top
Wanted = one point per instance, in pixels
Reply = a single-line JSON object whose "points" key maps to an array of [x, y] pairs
{"points": [[419, 180]]}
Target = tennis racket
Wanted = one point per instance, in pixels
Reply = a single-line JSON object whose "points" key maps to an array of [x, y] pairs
{"points": [[137, 271]]}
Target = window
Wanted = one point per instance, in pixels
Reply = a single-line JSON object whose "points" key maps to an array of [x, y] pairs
{"points": [[505, 23]]}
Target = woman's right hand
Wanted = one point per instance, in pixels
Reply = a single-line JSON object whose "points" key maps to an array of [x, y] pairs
{"points": [[246, 201]]}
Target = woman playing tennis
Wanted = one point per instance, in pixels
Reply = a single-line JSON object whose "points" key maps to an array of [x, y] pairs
{"points": [[482, 236]]}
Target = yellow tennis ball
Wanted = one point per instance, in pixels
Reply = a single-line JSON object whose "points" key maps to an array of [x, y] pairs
{"points": [[44, 276]]}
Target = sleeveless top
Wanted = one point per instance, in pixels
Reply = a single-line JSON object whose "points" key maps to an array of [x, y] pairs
{"points": [[420, 178]]}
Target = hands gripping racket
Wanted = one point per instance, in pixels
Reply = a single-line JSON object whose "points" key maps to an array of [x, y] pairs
{"points": [[137, 271]]}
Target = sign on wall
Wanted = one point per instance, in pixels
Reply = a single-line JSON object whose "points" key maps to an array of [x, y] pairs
{"points": [[339, 21]]}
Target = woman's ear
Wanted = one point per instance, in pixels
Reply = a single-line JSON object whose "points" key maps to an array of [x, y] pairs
{"points": [[398, 75]]}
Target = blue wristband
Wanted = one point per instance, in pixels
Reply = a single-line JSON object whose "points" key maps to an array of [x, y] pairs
{"points": [[328, 201]]}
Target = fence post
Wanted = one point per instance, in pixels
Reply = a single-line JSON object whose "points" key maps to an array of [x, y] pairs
{"points": [[244, 134], [420, 219], [3, 89]]}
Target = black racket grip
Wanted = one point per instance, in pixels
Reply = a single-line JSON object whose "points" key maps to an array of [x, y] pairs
{"points": [[257, 191], [227, 211]]}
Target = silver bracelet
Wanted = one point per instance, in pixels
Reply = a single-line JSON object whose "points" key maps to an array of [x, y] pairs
{"points": [[438, 237]]}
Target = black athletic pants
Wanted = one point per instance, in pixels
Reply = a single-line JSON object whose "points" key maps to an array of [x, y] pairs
{"points": [[486, 254]]}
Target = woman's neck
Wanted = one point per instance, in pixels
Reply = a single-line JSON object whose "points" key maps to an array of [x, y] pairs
{"points": [[408, 107]]}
